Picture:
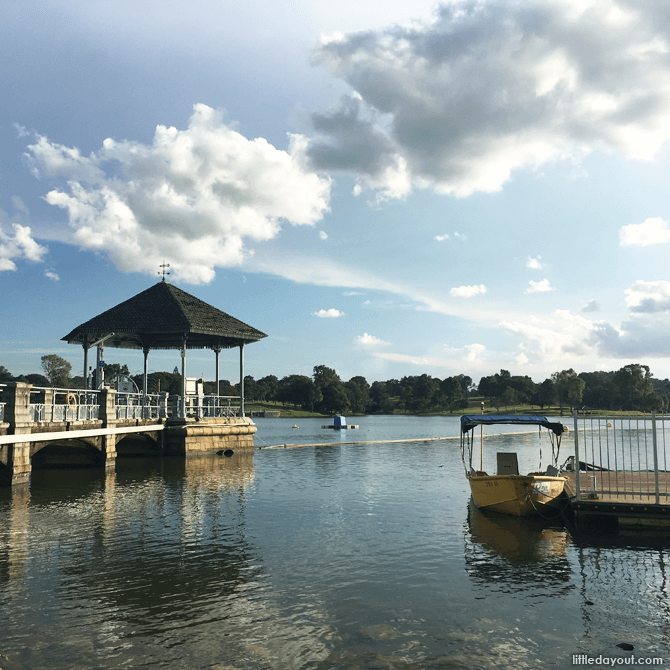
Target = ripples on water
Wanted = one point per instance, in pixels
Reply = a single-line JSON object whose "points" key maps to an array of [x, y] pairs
{"points": [[341, 556]]}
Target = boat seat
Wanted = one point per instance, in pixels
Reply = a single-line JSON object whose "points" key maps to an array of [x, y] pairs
{"points": [[507, 463]]}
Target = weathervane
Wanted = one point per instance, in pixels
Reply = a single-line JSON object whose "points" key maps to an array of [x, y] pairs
{"points": [[163, 269]]}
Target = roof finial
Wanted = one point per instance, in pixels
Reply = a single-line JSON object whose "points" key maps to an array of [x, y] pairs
{"points": [[163, 269]]}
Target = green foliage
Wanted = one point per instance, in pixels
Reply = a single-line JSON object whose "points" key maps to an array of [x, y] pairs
{"points": [[56, 370]]}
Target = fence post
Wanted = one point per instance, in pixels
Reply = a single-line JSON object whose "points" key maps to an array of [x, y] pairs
{"points": [[655, 443], [577, 466]]}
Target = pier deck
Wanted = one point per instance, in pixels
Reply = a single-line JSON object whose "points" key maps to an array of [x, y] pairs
{"points": [[621, 498]]}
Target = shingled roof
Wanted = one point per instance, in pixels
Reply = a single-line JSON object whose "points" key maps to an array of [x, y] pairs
{"points": [[160, 318]]}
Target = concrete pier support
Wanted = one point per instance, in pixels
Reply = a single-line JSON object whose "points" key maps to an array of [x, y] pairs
{"points": [[109, 420], [209, 436], [16, 457]]}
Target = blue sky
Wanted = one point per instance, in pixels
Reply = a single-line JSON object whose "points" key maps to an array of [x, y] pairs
{"points": [[452, 188]]}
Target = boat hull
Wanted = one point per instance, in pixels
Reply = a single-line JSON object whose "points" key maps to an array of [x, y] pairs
{"points": [[517, 495]]}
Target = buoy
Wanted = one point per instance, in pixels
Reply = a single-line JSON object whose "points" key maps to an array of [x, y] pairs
{"points": [[609, 425], [71, 400], [295, 426]]}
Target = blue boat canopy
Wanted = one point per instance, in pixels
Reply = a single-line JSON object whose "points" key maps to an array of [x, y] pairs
{"points": [[469, 421]]}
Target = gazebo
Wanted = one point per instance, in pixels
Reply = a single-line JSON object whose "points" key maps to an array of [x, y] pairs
{"points": [[165, 317]]}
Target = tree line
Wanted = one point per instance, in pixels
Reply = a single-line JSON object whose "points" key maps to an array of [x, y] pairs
{"points": [[632, 387]]}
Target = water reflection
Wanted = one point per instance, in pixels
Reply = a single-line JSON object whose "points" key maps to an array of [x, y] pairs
{"points": [[14, 539], [513, 553], [148, 565], [619, 575]]}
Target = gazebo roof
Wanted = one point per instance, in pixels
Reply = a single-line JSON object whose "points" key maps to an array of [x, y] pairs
{"points": [[161, 318]]}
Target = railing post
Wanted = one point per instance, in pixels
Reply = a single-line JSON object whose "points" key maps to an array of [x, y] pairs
{"points": [[577, 467], [655, 445]]}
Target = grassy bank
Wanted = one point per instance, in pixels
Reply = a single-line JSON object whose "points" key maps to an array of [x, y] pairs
{"points": [[474, 407]]}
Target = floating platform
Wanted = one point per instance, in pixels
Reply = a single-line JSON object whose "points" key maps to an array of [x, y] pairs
{"points": [[615, 499], [341, 427], [340, 423]]}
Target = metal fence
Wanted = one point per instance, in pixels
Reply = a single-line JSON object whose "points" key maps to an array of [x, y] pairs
{"points": [[623, 456], [63, 404], [59, 404], [138, 406]]}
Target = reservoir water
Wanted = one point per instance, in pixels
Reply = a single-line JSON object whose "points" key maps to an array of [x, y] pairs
{"points": [[349, 556]]}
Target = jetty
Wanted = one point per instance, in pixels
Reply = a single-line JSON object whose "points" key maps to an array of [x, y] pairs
{"points": [[68, 427], [624, 478]]}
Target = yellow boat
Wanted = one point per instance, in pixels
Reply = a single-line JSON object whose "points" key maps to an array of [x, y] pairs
{"points": [[508, 492]]}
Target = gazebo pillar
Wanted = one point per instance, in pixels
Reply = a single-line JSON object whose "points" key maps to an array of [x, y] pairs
{"points": [[183, 379], [85, 345], [144, 381], [242, 379], [217, 402]]}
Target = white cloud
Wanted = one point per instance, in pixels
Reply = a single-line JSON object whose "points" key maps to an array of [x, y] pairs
{"points": [[590, 306], [459, 102], [323, 234], [460, 236], [18, 246], [442, 238], [467, 291], [328, 313], [21, 131], [370, 341], [551, 339], [193, 197], [50, 274], [648, 296], [19, 205], [538, 286], [474, 352], [534, 263], [652, 231], [521, 359]]}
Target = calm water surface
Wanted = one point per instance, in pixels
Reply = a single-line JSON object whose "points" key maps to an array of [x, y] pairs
{"points": [[338, 556]]}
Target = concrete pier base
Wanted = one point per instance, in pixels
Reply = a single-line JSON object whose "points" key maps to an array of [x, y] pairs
{"points": [[209, 436]]}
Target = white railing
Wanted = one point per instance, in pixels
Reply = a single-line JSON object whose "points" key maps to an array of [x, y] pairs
{"points": [[56, 404], [138, 406], [2, 404], [205, 406]]}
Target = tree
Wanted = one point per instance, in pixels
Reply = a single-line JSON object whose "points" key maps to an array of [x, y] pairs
{"points": [[634, 387], [5, 375], [56, 370], [569, 388], [357, 389], [545, 393]]}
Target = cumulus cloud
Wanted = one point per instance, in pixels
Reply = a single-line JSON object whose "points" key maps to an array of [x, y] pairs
{"points": [[370, 341], [534, 263], [50, 274], [323, 234], [19, 246], [192, 197], [467, 291], [539, 286], [648, 297], [328, 313], [651, 231], [442, 238], [460, 102]]}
